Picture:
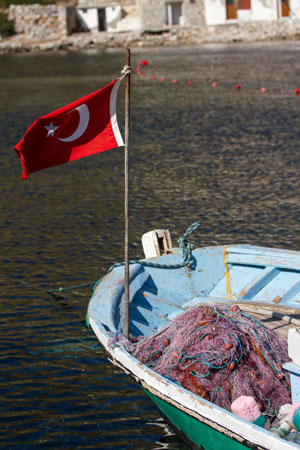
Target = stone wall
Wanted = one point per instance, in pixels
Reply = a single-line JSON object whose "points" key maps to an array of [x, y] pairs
{"points": [[153, 13], [39, 22], [105, 3], [193, 13]]}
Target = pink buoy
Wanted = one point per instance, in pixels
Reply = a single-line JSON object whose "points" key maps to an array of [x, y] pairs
{"points": [[263, 90], [295, 415], [174, 81], [296, 91], [247, 408], [153, 77], [162, 79], [144, 62], [238, 86], [190, 83], [214, 84]]}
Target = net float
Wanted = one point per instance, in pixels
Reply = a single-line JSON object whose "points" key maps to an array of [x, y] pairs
{"points": [[166, 341], [228, 346]]}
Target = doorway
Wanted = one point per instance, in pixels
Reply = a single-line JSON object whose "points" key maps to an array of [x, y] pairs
{"points": [[101, 20], [285, 8], [231, 9], [173, 12]]}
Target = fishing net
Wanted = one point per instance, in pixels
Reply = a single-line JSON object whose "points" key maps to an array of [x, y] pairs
{"points": [[220, 353]]}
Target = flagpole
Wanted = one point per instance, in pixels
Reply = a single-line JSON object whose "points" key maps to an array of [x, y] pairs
{"points": [[126, 180]]}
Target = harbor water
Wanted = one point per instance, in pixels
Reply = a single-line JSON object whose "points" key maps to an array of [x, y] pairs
{"points": [[228, 157]]}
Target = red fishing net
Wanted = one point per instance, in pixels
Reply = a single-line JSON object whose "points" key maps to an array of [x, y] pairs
{"points": [[220, 353]]}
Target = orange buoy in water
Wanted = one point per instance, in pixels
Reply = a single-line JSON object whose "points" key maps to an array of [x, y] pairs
{"points": [[263, 90], [214, 84]]}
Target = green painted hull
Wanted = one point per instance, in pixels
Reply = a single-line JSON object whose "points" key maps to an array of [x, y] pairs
{"points": [[204, 436]]}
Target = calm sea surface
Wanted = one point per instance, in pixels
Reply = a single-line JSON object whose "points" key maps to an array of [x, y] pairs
{"points": [[225, 156]]}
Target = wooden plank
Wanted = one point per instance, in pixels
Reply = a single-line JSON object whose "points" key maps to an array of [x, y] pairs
{"points": [[264, 261], [263, 251], [257, 283]]}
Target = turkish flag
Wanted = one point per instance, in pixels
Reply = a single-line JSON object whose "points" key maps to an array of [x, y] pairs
{"points": [[82, 128]]}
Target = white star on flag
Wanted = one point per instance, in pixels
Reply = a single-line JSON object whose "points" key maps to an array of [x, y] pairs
{"points": [[51, 129]]}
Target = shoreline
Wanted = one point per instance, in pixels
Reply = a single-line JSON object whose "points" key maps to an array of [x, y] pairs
{"points": [[222, 34]]}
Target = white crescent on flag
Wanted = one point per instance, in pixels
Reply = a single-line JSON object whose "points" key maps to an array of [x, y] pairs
{"points": [[84, 118]]}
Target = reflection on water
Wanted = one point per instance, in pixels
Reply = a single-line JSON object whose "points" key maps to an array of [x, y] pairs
{"points": [[227, 157]]}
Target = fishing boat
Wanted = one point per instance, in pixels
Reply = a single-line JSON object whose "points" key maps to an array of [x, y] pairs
{"points": [[264, 282]]}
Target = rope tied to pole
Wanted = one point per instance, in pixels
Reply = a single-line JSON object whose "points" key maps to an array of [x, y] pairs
{"points": [[125, 71]]}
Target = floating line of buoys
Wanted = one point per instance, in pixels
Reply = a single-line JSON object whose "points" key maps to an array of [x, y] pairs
{"points": [[162, 79]]}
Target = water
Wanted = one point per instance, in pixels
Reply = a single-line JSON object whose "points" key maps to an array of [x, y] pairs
{"points": [[227, 157]]}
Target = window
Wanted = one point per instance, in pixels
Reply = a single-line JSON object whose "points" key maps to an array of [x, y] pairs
{"points": [[232, 7], [244, 4]]}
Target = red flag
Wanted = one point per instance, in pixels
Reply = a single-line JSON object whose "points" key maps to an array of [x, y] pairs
{"points": [[82, 128]]}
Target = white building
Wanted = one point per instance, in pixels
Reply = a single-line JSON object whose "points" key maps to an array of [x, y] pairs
{"points": [[222, 11], [130, 15], [99, 15]]}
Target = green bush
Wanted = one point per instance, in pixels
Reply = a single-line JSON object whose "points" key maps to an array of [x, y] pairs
{"points": [[6, 28], [6, 3]]}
